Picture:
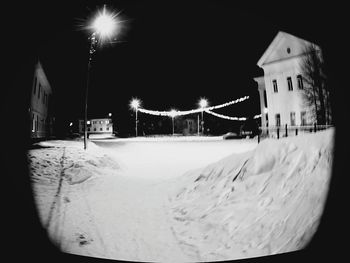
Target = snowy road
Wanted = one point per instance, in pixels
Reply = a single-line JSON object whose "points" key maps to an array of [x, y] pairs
{"points": [[167, 200], [161, 160], [125, 214]]}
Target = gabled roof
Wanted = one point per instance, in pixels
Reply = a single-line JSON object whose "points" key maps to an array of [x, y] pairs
{"points": [[40, 73], [282, 40]]}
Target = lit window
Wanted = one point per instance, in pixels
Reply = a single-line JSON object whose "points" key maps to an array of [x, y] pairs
{"points": [[290, 84], [275, 88]]}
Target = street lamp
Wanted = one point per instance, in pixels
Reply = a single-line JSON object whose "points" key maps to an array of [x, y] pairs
{"points": [[104, 26], [135, 104], [203, 103], [172, 115]]}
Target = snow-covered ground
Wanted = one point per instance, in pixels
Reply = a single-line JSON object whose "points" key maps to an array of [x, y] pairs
{"points": [[182, 200]]}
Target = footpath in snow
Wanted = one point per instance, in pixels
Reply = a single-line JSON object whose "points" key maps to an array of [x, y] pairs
{"points": [[110, 202]]}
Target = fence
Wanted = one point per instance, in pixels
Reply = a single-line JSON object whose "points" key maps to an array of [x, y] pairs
{"points": [[287, 130]]}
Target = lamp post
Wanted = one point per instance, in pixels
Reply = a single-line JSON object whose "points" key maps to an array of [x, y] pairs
{"points": [[104, 26], [135, 104], [202, 104], [173, 114]]}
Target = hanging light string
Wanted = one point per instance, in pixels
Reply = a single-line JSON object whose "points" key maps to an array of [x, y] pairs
{"points": [[230, 118], [226, 117], [181, 113]]}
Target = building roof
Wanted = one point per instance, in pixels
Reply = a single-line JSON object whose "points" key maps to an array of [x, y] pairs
{"points": [[40, 73], [283, 46]]}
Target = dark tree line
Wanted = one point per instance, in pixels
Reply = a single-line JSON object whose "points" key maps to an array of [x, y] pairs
{"points": [[316, 91]]}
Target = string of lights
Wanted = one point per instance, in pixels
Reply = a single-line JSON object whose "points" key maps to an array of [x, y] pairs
{"points": [[174, 113], [226, 117], [230, 118]]}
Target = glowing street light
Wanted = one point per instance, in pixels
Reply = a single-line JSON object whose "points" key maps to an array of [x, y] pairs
{"points": [[135, 104], [203, 103], [105, 25], [173, 114]]}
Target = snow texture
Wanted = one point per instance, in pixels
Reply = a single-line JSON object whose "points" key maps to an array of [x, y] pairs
{"points": [[173, 200]]}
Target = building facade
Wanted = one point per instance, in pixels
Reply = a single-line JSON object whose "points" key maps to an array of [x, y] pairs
{"points": [[40, 109], [97, 126], [281, 87], [187, 125]]}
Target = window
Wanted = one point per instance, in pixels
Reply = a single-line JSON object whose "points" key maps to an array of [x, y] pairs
{"points": [[292, 118], [303, 118], [265, 98], [290, 84], [88, 129], [300, 82], [34, 89], [33, 123], [101, 129], [39, 91], [107, 128], [94, 129], [275, 88], [278, 119]]}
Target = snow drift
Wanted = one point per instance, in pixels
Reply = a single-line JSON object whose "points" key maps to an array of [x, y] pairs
{"points": [[266, 201], [55, 165], [132, 201]]}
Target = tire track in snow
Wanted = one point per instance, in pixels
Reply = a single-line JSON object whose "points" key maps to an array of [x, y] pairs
{"points": [[57, 195]]}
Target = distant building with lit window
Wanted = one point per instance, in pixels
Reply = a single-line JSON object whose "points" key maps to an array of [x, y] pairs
{"points": [[97, 126], [281, 87], [40, 109]]}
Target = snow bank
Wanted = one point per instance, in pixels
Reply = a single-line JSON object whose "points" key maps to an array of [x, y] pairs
{"points": [[166, 138], [55, 164], [262, 202]]}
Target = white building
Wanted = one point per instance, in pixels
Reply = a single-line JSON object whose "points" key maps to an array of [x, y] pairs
{"points": [[40, 105], [97, 126], [281, 86]]}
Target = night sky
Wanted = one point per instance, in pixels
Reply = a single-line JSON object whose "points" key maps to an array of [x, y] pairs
{"points": [[169, 54]]}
